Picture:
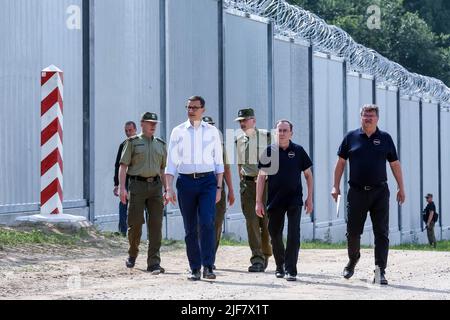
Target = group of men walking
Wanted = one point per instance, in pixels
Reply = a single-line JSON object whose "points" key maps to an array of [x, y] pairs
{"points": [[270, 188]]}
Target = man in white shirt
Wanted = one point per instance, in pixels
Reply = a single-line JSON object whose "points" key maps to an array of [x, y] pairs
{"points": [[195, 153]]}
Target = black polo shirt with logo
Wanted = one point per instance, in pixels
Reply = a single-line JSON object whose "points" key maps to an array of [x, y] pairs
{"points": [[367, 156], [284, 184]]}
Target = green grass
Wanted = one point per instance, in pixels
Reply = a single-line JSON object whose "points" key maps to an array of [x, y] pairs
{"points": [[441, 246], [9, 237]]}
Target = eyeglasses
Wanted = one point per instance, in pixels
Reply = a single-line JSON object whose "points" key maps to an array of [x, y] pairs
{"points": [[193, 108]]}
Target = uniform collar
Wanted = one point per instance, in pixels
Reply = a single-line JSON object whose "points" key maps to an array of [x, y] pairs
{"points": [[141, 135], [289, 148], [376, 133]]}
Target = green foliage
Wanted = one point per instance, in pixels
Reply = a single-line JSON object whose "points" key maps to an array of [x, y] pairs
{"points": [[413, 33]]}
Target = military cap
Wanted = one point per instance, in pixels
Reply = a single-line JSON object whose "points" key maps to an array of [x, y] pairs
{"points": [[150, 116], [244, 114], [208, 120]]}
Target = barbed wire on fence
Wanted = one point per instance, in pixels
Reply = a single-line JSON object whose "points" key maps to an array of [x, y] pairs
{"points": [[294, 22]]}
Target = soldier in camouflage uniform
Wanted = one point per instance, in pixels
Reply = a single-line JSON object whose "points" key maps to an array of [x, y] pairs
{"points": [[144, 159], [250, 143]]}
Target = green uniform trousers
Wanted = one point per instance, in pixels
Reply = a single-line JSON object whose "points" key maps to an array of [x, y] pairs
{"points": [[430, 234], [257, 228], [221, 208], [145, 195]]}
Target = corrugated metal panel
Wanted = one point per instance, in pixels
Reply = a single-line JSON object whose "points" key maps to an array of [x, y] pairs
{"points": [[127, 82], [445, 173], [291, 90], [359, 93], [192, 69], [37, 37], [328, 134], [246, 80], [192, 48], [410, 141], [430, 150], [387, 102]]}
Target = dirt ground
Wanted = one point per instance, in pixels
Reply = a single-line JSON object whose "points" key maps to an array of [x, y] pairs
{"points": [[99, 272]]}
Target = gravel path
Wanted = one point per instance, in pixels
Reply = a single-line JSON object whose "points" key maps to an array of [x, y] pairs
{"points": [[101, 274]]}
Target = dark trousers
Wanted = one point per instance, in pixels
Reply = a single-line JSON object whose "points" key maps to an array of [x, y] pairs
{"points": [[359, 203], [197, 200], [123, 226], [285, 259]]}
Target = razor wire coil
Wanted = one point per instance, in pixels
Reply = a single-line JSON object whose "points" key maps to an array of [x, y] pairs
{"points": [[294, 22]]}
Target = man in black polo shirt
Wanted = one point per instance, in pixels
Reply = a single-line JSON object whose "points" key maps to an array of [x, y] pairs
{"points": [[283, 163], [367, 149]]}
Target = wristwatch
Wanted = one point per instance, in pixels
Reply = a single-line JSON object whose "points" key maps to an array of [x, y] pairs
{"points": [[219, 187]]}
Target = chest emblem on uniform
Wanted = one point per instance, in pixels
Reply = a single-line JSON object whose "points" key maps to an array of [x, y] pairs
{"points": [[376, 142], [291, 154]]}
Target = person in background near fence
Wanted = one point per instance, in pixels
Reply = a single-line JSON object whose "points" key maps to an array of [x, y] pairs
{"points": [[130, 130], [221, 206], [283, 164], [144, 159], [367, 150], [195, 153], [430, 217], [250, 143]]}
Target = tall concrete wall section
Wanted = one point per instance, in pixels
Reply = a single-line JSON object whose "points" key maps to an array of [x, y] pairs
{"points": [[127, 83], [430, 155], [192, 69], [445, 174], [410, 159], [386, 98], [291, 91], [35, 35], [328, 133], [246, 85]]}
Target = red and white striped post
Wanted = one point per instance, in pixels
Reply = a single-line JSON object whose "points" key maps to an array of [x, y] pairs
{"points": [[52, 151], [51, 140]]}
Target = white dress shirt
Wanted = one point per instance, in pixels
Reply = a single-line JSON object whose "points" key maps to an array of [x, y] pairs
{"points": [[194, 150]]}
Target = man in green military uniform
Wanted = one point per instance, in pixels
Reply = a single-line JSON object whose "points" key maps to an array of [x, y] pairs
{"points": [[221, 206], [144, 159], [250, 143]]}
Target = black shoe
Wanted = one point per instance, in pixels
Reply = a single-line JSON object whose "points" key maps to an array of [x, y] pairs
{"points": [[130, 262], [290, 277], [214, 267], [208, 273], [349, 269], [279, 273], [383, 280], [256, 267], [155, 269], [194, 275]]}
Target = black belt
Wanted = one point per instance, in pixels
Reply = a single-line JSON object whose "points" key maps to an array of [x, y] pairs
{"points": [[249, 178], [197, 175], [149, 179], [368, 188]]}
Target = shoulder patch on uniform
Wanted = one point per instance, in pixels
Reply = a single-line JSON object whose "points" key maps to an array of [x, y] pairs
{"points": [[160, 140]]}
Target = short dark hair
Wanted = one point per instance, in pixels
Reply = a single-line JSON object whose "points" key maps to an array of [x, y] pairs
{"points": [[130, 123], [284, 120], [198, 98]]}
